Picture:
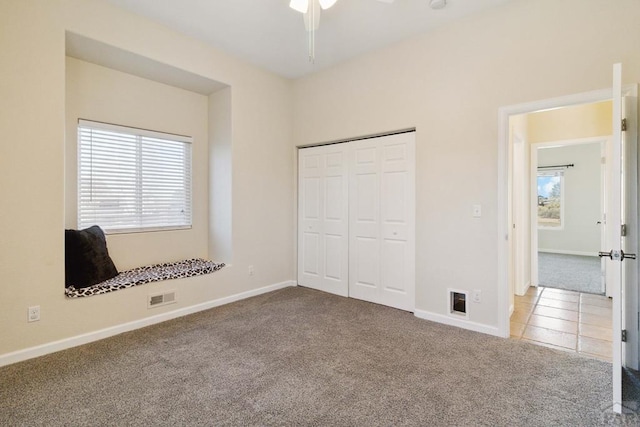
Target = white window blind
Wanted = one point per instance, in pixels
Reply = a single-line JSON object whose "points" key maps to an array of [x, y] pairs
{"points": [[132, 179]]}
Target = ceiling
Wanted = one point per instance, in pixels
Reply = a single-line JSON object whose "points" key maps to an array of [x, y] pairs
{"points": [[269, 34]]}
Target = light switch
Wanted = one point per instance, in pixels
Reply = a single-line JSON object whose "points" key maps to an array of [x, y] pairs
{"points": [[477, 211]]}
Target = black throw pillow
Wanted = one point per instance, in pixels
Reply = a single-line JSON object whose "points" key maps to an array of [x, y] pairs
{"points": [[87, 260]]}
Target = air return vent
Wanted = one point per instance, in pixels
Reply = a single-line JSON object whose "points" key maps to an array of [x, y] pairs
{"points": [[157, 300]]}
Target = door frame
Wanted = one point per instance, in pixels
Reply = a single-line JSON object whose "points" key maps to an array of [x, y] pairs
{"points": [[520, 208], [504, 182]]}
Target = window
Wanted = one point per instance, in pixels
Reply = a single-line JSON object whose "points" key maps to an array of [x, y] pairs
{"points": [[550, 199], [132, 179]]}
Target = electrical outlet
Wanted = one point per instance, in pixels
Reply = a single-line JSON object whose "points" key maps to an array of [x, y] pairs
{"points": [[251, 270], [477, 211], [477, 295], [33, 313]]}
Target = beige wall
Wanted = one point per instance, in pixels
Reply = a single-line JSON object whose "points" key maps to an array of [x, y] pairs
{"points": [[32, 166], [580, 121], [105, 95], [449, 85]]}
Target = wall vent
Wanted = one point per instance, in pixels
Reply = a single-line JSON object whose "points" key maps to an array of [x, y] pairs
{"points": [[158, 300]]}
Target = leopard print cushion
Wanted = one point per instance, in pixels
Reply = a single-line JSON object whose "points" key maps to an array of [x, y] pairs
{"points": [[147, 274]]}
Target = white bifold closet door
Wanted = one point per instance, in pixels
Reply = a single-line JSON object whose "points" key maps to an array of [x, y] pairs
{"points": [[323, 209], [382, 220], [356, 219]]}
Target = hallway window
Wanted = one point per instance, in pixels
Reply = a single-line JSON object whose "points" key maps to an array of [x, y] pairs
{"points": [[550, 199]]}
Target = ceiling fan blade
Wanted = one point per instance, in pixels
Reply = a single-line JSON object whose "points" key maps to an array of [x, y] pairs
{"points": [[326, 4], [301, 6]]}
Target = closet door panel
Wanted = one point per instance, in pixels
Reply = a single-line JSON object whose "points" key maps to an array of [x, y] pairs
{"points": [[311, 249], [381, 251], [309, 211], [333, 256], [397, 221], [336, 220], [364, 233], [395, 254], [365, 268], [323, 219]]}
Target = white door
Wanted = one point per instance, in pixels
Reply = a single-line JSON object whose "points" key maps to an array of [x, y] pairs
{"points": [[323, 218], [382, 220], [630, 240], [622, 271]]}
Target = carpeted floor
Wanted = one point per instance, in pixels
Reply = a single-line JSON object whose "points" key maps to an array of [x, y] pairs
{"points": [[570, 272], [302, 357]]}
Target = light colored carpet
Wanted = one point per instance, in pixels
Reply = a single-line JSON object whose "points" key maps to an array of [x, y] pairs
{"points": [[302, 357], [570, 272]]}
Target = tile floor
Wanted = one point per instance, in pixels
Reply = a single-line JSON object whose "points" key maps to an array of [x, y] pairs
{"points": [[564, 320]]}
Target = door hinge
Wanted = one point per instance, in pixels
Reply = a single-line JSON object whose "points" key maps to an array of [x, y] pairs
{"points": [[624, 335], [623, 230], [624, 125]]}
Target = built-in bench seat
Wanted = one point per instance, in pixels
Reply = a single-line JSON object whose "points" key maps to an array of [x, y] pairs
{"points": [[147, 274]]}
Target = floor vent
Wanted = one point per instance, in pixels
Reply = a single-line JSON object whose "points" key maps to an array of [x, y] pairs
{"points": [[158, 300]]}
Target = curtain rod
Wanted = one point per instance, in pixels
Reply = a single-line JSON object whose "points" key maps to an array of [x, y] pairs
{"points": [[557, 166]]}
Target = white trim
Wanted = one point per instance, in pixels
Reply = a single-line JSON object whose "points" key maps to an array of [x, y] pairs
{"points": [[458, 322], [524, 292], [519, 207], [565, 252], [52, 347], [533, 213]]}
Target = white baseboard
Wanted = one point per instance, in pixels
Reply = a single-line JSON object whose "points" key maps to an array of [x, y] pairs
{"points": [[460, 323], [524, 289], [563, 252], [52, 347]]}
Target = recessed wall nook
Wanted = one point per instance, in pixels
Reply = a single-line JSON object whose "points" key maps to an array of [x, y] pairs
{"points": [[110, 85]]}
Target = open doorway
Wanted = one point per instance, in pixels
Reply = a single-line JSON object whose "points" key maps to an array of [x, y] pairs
{"points": [[550, 129], [568, 205], [557, 211]]}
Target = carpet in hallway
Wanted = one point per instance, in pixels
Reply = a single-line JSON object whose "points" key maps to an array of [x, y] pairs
{"points": [[571, 272]]}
